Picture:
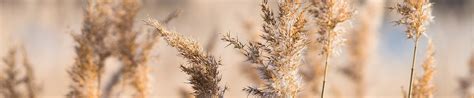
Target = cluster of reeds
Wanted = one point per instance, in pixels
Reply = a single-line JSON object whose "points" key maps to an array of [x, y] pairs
{"points": [[108, 32], [328, 14], [203, 67], [279, 55], [415, 15], [14, 77]]}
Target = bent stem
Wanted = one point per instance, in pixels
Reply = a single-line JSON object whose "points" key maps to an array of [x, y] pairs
{"points": [[412, 69]]}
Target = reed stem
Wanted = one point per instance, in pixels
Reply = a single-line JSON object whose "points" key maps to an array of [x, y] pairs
{"points": [[412, 68], [328, 47]]}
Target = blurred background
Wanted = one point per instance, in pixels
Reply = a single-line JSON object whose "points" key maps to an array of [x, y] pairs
{"points": [[43, 27]]}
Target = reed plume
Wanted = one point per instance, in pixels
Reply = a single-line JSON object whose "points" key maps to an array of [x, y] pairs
{"points": [[416, 14], [84, 71], [133, 54], [328, 14], [279, 55], [203, 68], [92, 49], [423, 86]]}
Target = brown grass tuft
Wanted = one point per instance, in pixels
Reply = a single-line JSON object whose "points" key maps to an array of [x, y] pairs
{"points": [[203, 68], [279, 55]]}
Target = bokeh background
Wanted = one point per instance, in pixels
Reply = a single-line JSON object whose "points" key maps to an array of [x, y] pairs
{"points": [[43, 27]]}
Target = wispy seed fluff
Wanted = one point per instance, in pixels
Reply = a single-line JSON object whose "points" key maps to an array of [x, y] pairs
{"points": [[203, 68], [278, 56]]}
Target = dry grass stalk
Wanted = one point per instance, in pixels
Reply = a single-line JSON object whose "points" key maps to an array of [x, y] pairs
{"points": [[84, 71], [203, 68], [416, 14], [92, 50], [133, 54], [423, 86], [328, 14], [279, 55], [467, 83], [11, 79]]}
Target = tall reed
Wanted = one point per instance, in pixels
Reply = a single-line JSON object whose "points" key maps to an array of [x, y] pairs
{"points": [[92, 49], [416, 15], [328, 14], [203, 68], [132, 53], [279, 55]]}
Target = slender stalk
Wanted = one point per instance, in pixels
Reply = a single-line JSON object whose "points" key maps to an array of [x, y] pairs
{"points": [[328, 45], [412, 68]]}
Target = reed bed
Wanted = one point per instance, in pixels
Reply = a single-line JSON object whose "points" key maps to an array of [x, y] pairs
{"points": [[288, 58]]}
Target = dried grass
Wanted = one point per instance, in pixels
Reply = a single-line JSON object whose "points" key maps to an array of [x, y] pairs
{"points": [[92, 50], [279, 55], [203, 68]]}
